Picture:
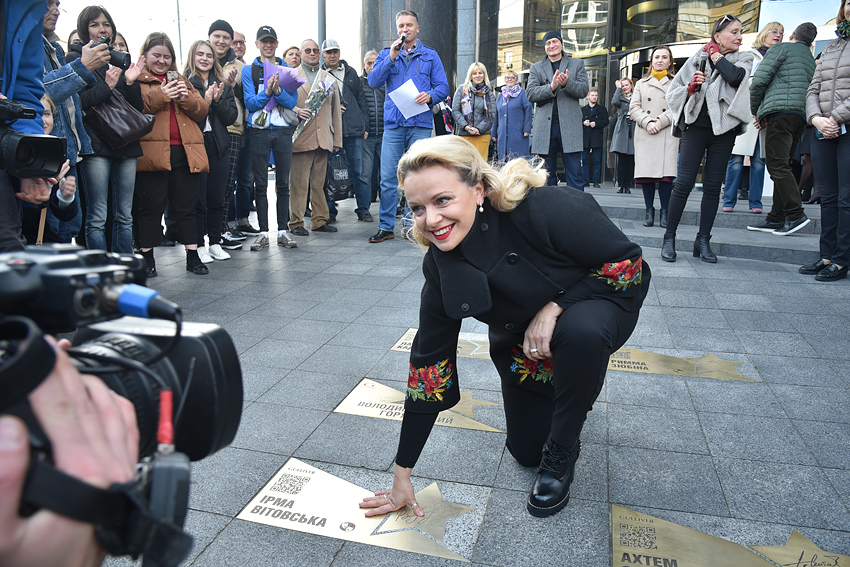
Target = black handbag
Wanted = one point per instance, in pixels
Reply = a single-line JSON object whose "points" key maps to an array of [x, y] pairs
{"points": [[338, 178], [117, 122]]}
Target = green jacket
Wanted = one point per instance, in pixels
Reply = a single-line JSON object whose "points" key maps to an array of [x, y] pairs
{"points": [[781, 80]]}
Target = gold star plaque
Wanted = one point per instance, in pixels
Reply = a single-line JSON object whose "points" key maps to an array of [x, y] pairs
{"points": [[476, 345], [303, 498], [641, 539], [800, 552], [372, 399]]}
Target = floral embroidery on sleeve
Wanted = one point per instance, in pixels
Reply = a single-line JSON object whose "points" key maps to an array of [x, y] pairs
{"points": [[621, 275], [429, 383], [525, 367]]}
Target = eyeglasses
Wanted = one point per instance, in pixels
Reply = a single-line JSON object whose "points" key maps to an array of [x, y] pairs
{"points": [[779, 32], [510, 78], [310, 50], [237, 42]]}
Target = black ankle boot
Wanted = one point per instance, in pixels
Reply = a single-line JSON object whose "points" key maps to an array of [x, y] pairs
{"points": [[150, 268], [551, 489], [668, 248], [194, 264], [627, 190], [703, 250], [621, 190], [662, 222], [650, 217]]}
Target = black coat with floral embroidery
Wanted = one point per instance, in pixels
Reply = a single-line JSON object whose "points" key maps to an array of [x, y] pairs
{"points": [[557, 245]]}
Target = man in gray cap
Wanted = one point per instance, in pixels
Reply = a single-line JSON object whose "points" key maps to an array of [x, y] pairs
{"points": [[353, 105], [555, 85]]}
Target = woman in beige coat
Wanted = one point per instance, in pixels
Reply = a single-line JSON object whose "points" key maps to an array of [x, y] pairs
{"points": [[656, 150]]}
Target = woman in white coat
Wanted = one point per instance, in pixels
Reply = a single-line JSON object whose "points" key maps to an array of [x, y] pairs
{"points": [[751, 143], [656, 150]]}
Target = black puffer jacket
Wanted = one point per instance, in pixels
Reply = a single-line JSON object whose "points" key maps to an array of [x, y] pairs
{"points": [[99, 93], [222, 113], [374, 111], [353, 121]]}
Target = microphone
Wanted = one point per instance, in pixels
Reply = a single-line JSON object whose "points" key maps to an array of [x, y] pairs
{"points": [[703, 58], [403, 37]]}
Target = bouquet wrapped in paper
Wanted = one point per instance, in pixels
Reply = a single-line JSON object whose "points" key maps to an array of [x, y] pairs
{"points": [[319, 93], [288, 81]]}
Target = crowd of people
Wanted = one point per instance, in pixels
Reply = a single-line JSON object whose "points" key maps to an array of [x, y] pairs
{"points": [[559, 285]]}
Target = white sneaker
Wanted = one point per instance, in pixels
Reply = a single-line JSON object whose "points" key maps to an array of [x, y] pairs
{"points": [[283, 239], [217, 253], [204, 255]]}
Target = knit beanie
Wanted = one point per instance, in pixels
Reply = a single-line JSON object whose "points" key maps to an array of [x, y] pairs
{"points": [[552, 34], [220, 25]]}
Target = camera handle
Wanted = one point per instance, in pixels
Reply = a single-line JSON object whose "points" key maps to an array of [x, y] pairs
{"points": [[125, 524], [31, 362]]}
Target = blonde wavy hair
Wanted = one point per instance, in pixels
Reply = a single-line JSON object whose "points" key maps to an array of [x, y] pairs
{"points": [[477, 66], [772, 26], [504, 186]]}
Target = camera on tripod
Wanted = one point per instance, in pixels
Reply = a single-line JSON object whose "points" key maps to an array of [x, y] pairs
{"points": [[27, 155], [153, 363]]}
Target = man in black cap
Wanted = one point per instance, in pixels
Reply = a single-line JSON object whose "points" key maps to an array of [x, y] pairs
{"points": [[556, 84], [269, 131]]}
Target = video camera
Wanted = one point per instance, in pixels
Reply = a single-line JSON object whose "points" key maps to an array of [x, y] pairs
{"points": [[27, 155], [150, 362], [120, 59]]}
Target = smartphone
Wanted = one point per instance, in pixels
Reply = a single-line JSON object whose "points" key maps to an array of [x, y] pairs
{"points": [[171, 76], [842, 129]]}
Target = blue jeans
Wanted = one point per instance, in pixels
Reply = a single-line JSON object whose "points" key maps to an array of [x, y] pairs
{"points": [[591, 155], [353, 146], [99, 172], [572, 162], [396, 142], [240, 201], [733, 179]]}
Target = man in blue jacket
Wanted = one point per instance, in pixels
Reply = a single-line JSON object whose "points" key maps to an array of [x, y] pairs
{"points": [[406, 59], [20, 57]]}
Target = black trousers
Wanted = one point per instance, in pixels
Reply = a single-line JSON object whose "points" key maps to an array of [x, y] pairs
{"points": [[179, 188], [585, 336], [625, 170], [696, 143], [213, 186], [783, 132]]}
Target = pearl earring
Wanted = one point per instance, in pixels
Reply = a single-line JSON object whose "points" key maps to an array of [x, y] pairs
{"points": [[481, 207]]}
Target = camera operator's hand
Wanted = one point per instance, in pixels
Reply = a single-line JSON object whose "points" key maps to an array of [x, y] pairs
{"points": [[34, 190], [112, 76], [95, 56], [95, 438]]}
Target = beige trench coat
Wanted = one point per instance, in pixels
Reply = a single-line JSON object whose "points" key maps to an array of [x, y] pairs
{"points": [[656, 155]]}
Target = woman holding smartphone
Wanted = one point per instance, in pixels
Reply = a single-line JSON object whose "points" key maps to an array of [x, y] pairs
{"points": [[174, 155]]}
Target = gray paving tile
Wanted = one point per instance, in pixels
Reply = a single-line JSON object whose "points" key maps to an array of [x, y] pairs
{"points": [[779, 344], [378, 283], [224, 482], [255, 325], [368, 336], [650, 390], [793, 370], [284, 307], [662, 479], [400, 299], [235, 304], [827, 441], [742, 301], [393, 366], [739, 398], [351, 361], [244, 342], [790, 494], [512, 537], [256, 380], [279, 354], [353, 441], [395, 316], [801, 304], [649, 338], [701, 318], [712, 340], [314, 390], [743, 321], [447, 455], [654, 428], [693, 299], [841, 482], [272, 428], [265, 289], [816, 404], [755, 437], [335, 311], [302, 330], [254, 545], [678, 284]]}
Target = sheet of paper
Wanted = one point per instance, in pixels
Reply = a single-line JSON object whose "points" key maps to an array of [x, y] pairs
{"points": [[404, 96]]}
